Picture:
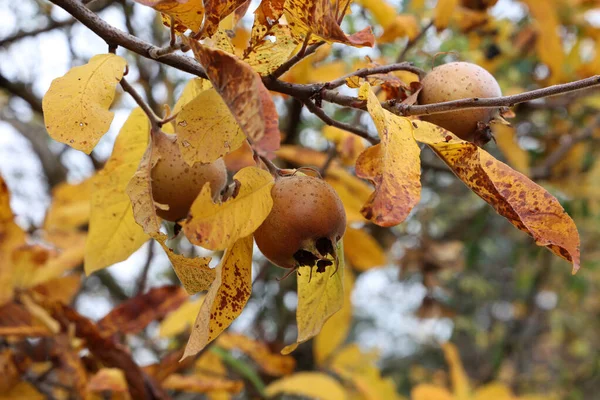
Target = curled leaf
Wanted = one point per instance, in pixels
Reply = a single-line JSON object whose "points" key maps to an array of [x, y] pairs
{"points": [[393, 165], [76, 105], [314, 385]]}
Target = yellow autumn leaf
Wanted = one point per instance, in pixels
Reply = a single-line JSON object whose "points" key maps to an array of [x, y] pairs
{"points": [[495, 390], [315, 385], [22, 390], [525, 204], [318, 18], [266, 55], [549, 43], [360, 368], [226, 297], [443, 13], [206, 129], [458, 376], [353, 192], [113, 233], [194, 274], [394, 165], [505, 137], [426, 391], [362, 250], [70, 208], [108, 379], [76, 105], [187, 14], [273, 364], [404, 25], [218, 226], [348, 145], [320, 295], [191, 90], [139, 190], [336, 329], [181, 319]]}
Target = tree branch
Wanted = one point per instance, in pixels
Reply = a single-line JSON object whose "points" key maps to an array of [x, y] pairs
{"points": [[567, 143], [114, 36], [283, 68], [154, 120], [414, 41], [493, 102], [332, 122], [383, 69]]}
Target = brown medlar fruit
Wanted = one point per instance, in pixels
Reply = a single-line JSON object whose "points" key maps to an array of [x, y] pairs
{"points": [[305, 224], [454, 81], [176, 183]]}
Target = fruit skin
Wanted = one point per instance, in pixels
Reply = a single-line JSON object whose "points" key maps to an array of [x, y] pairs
{"points": [[459, 80], [176, 183], [307, 215]]}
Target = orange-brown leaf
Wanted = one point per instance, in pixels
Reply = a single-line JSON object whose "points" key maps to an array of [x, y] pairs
{"points": [[201, 384], [524, 203], [136, 313], [266, 15], [216, 10], [244, 93], [393, 165]]}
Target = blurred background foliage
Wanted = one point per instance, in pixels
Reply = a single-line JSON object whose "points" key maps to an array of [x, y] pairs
{"points": [[453, 271]]}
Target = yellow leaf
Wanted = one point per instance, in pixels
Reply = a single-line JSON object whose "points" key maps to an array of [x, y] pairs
{"points": [[458, 377], [226, 298], [271, 363], [139, 189], [201, 384], [443, 13], [506, 140], [496, 391], [548, 45], [317, 18], [362, 250], [218, 226], [348, 145], [189, 14], [191, 90], [217, 10], [404, 25], [336, 329], [320, 295], [315, 385], [194, 273], [111, 380], [22, 390], [206, 129], [70, 208], [383, 12], [11, 237], [265, 56], [394, 165], [113, 233], [526, 205], [353, 192], [430, 392], [76, 105], [181, 319]]}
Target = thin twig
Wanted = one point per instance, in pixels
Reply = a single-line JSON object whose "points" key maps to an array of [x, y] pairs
{"points": [[143, 280], [383, 69], [283, 68], [331, 154], [154, 120], [567, 143], [332, 122], [493, 102], [411, 43]]}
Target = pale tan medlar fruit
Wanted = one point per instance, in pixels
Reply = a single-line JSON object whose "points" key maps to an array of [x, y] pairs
{"points": [[305, 224], [454, 81], [176, 183]]}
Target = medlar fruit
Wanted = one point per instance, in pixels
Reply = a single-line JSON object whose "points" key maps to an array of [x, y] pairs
{"points": [[305, 224], [460, 80], [176, 183]]}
